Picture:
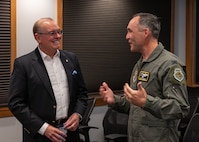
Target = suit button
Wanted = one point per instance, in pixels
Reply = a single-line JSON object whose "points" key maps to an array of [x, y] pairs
{"points": [[54, 106]]}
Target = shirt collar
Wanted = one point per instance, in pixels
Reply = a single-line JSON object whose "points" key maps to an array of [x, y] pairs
{"points": [[44, 55]]}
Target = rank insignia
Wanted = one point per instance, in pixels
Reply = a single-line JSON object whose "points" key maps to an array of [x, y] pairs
{"points": [[143, 76]]}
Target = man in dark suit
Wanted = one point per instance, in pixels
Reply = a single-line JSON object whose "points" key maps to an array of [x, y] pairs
{"points": [[47, 91]]}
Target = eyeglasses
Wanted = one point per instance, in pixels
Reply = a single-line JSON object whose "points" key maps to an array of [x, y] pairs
{"points": [[53, 33]]}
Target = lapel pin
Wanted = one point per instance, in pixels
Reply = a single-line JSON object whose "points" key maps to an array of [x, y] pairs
{"points": [[66, 60], [74, 72]]}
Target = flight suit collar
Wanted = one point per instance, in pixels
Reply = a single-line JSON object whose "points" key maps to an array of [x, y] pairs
{"points": [[156, 52]]}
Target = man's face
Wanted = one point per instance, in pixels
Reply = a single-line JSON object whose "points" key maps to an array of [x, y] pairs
{"points": [[135, 36], [49, 37]]}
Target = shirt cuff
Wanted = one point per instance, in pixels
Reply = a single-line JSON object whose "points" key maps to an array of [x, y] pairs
{"points": [[80, 117], [43, 128]]}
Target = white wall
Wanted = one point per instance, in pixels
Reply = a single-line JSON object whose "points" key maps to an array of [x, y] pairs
{"points": [[10, 130], [28, 11]]}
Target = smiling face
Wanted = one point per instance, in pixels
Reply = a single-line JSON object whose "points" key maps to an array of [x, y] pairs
{"points": [[135, 35], [48, 36]]}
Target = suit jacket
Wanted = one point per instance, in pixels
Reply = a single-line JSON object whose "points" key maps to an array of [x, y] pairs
{"points": [[31, 97]]}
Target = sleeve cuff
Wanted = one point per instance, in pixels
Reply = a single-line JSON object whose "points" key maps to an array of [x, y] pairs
{"points": [[43, 128], [80, 117], [149, 101]]}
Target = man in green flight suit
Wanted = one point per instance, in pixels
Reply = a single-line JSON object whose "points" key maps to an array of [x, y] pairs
{"points": [[157, 97]]}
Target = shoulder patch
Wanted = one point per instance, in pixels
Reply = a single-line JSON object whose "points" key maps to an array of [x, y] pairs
{"points": [[177, 75]]}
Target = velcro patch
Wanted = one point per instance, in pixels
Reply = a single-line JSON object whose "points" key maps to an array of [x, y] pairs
{"points": [[178, 74], [134, 79], [143, 76]]}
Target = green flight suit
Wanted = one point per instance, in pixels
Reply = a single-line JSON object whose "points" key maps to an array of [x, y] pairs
{"points": [[164, 79]]}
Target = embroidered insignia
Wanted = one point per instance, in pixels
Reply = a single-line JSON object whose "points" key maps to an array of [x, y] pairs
{"points": [[143, 76], [135, 76], [178, 74]]}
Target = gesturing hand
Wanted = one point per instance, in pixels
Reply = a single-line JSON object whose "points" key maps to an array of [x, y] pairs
{"points": [[136, 97], [106, 93]]}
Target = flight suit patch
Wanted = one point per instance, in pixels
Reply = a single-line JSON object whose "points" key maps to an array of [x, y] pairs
{"points": [[135, 74], [177, 74], [143, 76]]}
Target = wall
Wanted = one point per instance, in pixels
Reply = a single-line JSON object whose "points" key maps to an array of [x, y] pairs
{"points": [[30, 10], [27, 12]]}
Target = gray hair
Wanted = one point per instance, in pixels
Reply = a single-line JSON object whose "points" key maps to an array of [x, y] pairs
{"points": [[150, 21], [38, 24]]}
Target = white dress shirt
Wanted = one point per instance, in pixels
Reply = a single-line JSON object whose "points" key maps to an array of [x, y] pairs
{"points": [[59, 82]]}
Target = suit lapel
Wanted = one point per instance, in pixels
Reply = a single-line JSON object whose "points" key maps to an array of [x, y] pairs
{"points": [[67, 66], [41, 71]]}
